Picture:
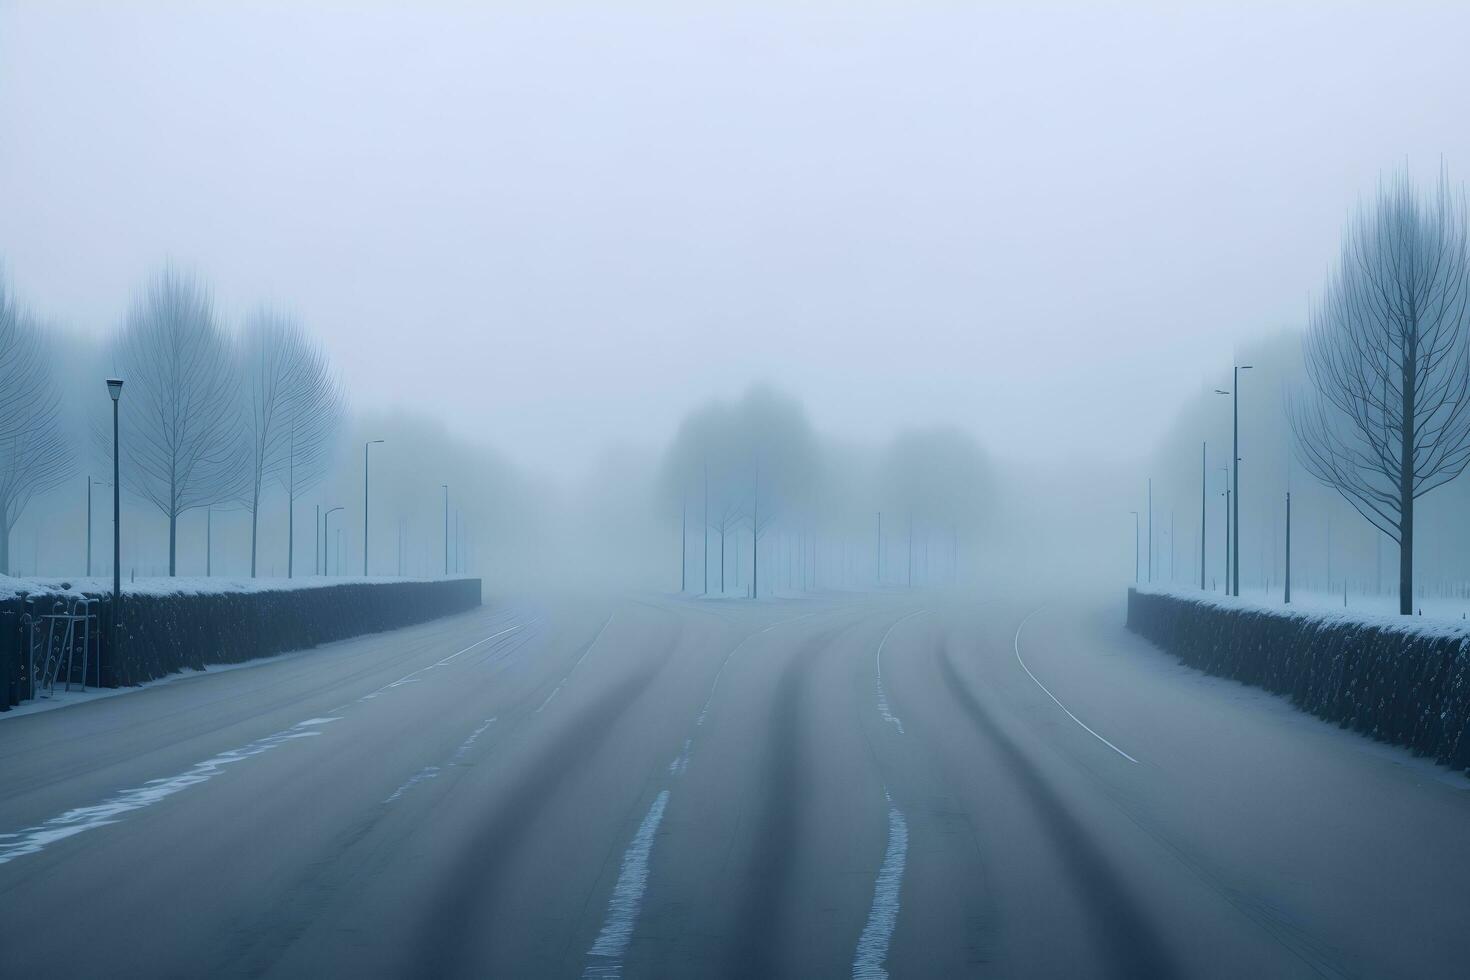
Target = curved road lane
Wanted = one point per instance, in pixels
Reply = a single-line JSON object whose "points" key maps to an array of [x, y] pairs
{"points": [[842, 785]]}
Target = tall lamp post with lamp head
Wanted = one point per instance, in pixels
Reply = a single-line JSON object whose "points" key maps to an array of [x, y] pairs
{"points": [[327, 539]]}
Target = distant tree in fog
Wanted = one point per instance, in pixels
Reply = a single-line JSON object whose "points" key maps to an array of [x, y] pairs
{"points": [[758, 455], [314, 411], [294, 411], [730, 516], [183, 438], [1386, 417], [935, 478], [35, 455]]}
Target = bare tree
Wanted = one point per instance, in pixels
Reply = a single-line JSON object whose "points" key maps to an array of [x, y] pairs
{"points": [[294, 411], [732, 515], [184, 438], [1387, 415], [35, 456], [312, 413]]}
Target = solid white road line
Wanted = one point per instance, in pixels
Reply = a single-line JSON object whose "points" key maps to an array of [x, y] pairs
{"points": [[872, 947], [413, 675], [566, 677], [1016, 644], [627, 898], [888, 715]]}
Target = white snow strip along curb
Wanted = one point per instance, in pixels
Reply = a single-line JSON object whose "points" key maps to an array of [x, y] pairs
{"points": [[627, 898], [33, 840], [872, 947], [1016, 644]]}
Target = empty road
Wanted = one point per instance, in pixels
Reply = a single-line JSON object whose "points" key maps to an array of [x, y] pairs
{"points": [[841, 785]]}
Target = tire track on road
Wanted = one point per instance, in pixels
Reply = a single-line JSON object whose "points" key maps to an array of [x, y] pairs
{"points": [[1120, 929], [455, 919]]}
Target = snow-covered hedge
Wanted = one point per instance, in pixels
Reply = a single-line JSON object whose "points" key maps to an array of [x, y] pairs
{"points": [[168, 625], [1398, 679]]}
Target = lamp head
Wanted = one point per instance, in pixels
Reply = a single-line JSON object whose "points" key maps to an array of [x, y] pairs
{"points": [[114, 388]]}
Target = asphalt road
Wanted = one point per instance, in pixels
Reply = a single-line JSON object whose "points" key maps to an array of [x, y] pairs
{"points": [[846, 785]]}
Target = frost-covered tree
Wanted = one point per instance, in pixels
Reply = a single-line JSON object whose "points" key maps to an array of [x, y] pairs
{"points": [[1386, 417], [312, 416], [294, 411], [183, 432], [35, 455]]}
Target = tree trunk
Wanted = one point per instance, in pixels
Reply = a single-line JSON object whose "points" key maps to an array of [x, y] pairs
{"points": [[254, 524], [1406, 476], [173, 521], [722, 560], [4, 548]]}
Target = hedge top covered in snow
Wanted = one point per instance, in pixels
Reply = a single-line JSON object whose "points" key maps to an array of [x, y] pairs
{"points": [[11, 586], [1429, 626]]}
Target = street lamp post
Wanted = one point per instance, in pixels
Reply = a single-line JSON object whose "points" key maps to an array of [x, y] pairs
{"points": [[326, 534], [365, 447], [1150, 529], [1135, 546], [316, 542], [1226, 494], [114, 389], [1203, 490], [446, 527], [1222, 391], [1288, 548], [1235, 424]]}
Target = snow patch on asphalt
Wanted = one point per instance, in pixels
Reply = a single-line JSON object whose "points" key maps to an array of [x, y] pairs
{"points": [[677, 767], [428, 772], [872, 946], [467, 744], [627, 898], [33, 840]]}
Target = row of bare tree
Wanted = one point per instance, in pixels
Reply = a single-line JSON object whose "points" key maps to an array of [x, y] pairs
{"points": [[207, 418], [745, 471]]}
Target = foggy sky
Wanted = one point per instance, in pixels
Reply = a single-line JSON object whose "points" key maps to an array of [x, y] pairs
{"points": [[558, 227]]}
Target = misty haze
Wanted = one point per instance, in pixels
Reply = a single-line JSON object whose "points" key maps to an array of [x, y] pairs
{"points": [[734, 490]]}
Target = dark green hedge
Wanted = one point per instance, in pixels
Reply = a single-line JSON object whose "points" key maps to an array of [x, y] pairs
{"points": [[158, 634], [1408, 683]]}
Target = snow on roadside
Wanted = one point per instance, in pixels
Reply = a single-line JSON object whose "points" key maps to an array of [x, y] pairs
{"points": [[11, 586], [1317, 607]]}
